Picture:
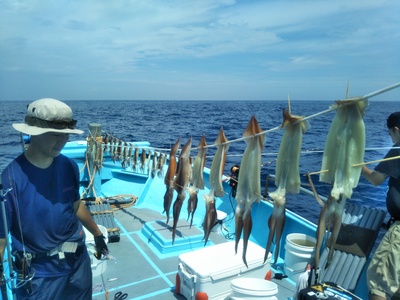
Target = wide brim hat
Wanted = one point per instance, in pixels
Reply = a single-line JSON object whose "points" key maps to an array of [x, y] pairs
{"points": [[48, 115]]}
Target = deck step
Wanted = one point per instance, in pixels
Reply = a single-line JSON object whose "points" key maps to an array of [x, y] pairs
{"points": [[103, 215], [159, 234], [360, 228]]}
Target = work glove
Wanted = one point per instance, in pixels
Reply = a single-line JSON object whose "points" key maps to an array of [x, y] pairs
{"points": [[101, 247]]}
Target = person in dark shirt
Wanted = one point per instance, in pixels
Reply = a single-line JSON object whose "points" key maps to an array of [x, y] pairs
{"points": [[383, 276], [43, 210]]}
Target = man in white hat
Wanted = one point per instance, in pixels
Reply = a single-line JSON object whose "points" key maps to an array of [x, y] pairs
{"points": [[44, 212]]}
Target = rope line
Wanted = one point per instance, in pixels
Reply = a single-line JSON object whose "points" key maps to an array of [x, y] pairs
{"points": [[333, 107], [339, 103]]}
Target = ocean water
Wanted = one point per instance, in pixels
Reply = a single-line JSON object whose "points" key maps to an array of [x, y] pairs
{"points": [[163, 122]]}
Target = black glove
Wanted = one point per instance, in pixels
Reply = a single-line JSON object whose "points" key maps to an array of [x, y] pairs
{"points": [[100, 245]]}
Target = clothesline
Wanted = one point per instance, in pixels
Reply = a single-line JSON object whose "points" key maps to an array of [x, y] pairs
{"points": [[276, 153], [332, 108]]}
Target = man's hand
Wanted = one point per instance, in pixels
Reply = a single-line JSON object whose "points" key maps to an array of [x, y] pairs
{"points": [[101, 246]]}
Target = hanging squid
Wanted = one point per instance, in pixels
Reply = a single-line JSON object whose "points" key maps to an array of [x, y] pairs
{"points": [[197, 180], [216, 188], [135, 158], [98, 160], [149, 162], [248, 189], [169, 178], [287, 176], [105, 142], [344, 148], [160, 164], [218, 164], [143, 159], [125, 156], [118, 151], [180, 183], [154, 164], [113, 146]]}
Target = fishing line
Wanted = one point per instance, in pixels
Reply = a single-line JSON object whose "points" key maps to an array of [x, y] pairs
{"points": [[18, 215], [8, 248]]}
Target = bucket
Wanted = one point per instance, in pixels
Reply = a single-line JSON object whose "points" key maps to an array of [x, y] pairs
{"points": [[98, 266], [90, 238], [253, 288], [300, 250], [220, 219]]}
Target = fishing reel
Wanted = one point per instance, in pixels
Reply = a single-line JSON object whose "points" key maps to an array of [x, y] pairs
{"points": [[233, 181]]}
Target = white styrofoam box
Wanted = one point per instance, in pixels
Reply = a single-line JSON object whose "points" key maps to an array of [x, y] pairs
{"points": [[211, 269]]}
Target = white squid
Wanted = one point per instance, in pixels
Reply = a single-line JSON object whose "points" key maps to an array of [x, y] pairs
{"points": [[216, 188], [248, 188], [287, 176], [344, 148], [197, 180]]}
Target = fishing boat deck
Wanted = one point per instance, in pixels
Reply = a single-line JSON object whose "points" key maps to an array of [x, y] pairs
{"points": [[143, 270], [144, 263], [139, 269]]}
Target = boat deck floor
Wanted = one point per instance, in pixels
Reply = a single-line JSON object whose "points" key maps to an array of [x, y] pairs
{"points": [[138, 269]]}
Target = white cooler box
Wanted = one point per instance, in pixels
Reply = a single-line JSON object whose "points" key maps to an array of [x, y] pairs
{"points": [[210, 270]]}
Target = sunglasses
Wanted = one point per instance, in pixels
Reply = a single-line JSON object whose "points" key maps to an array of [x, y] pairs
{"points": [[62, 124], [56, 124]]}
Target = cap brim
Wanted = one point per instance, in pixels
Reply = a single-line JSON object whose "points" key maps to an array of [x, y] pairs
{"points": [[33, 130]]}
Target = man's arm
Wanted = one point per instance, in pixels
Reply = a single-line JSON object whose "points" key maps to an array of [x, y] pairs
{"points": [[374, 177], [86, 219]]}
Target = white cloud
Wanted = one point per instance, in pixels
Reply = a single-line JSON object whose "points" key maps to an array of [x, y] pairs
{"points": [[90, 43]]}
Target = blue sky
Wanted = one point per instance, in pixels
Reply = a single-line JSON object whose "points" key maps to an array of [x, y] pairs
{"points": [[198, 50]]}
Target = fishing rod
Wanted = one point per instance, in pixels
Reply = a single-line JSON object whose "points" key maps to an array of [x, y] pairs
{"points": [[8, 247]]}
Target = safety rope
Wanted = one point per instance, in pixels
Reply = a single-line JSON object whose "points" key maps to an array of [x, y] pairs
{"points": [[116, 202]]}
